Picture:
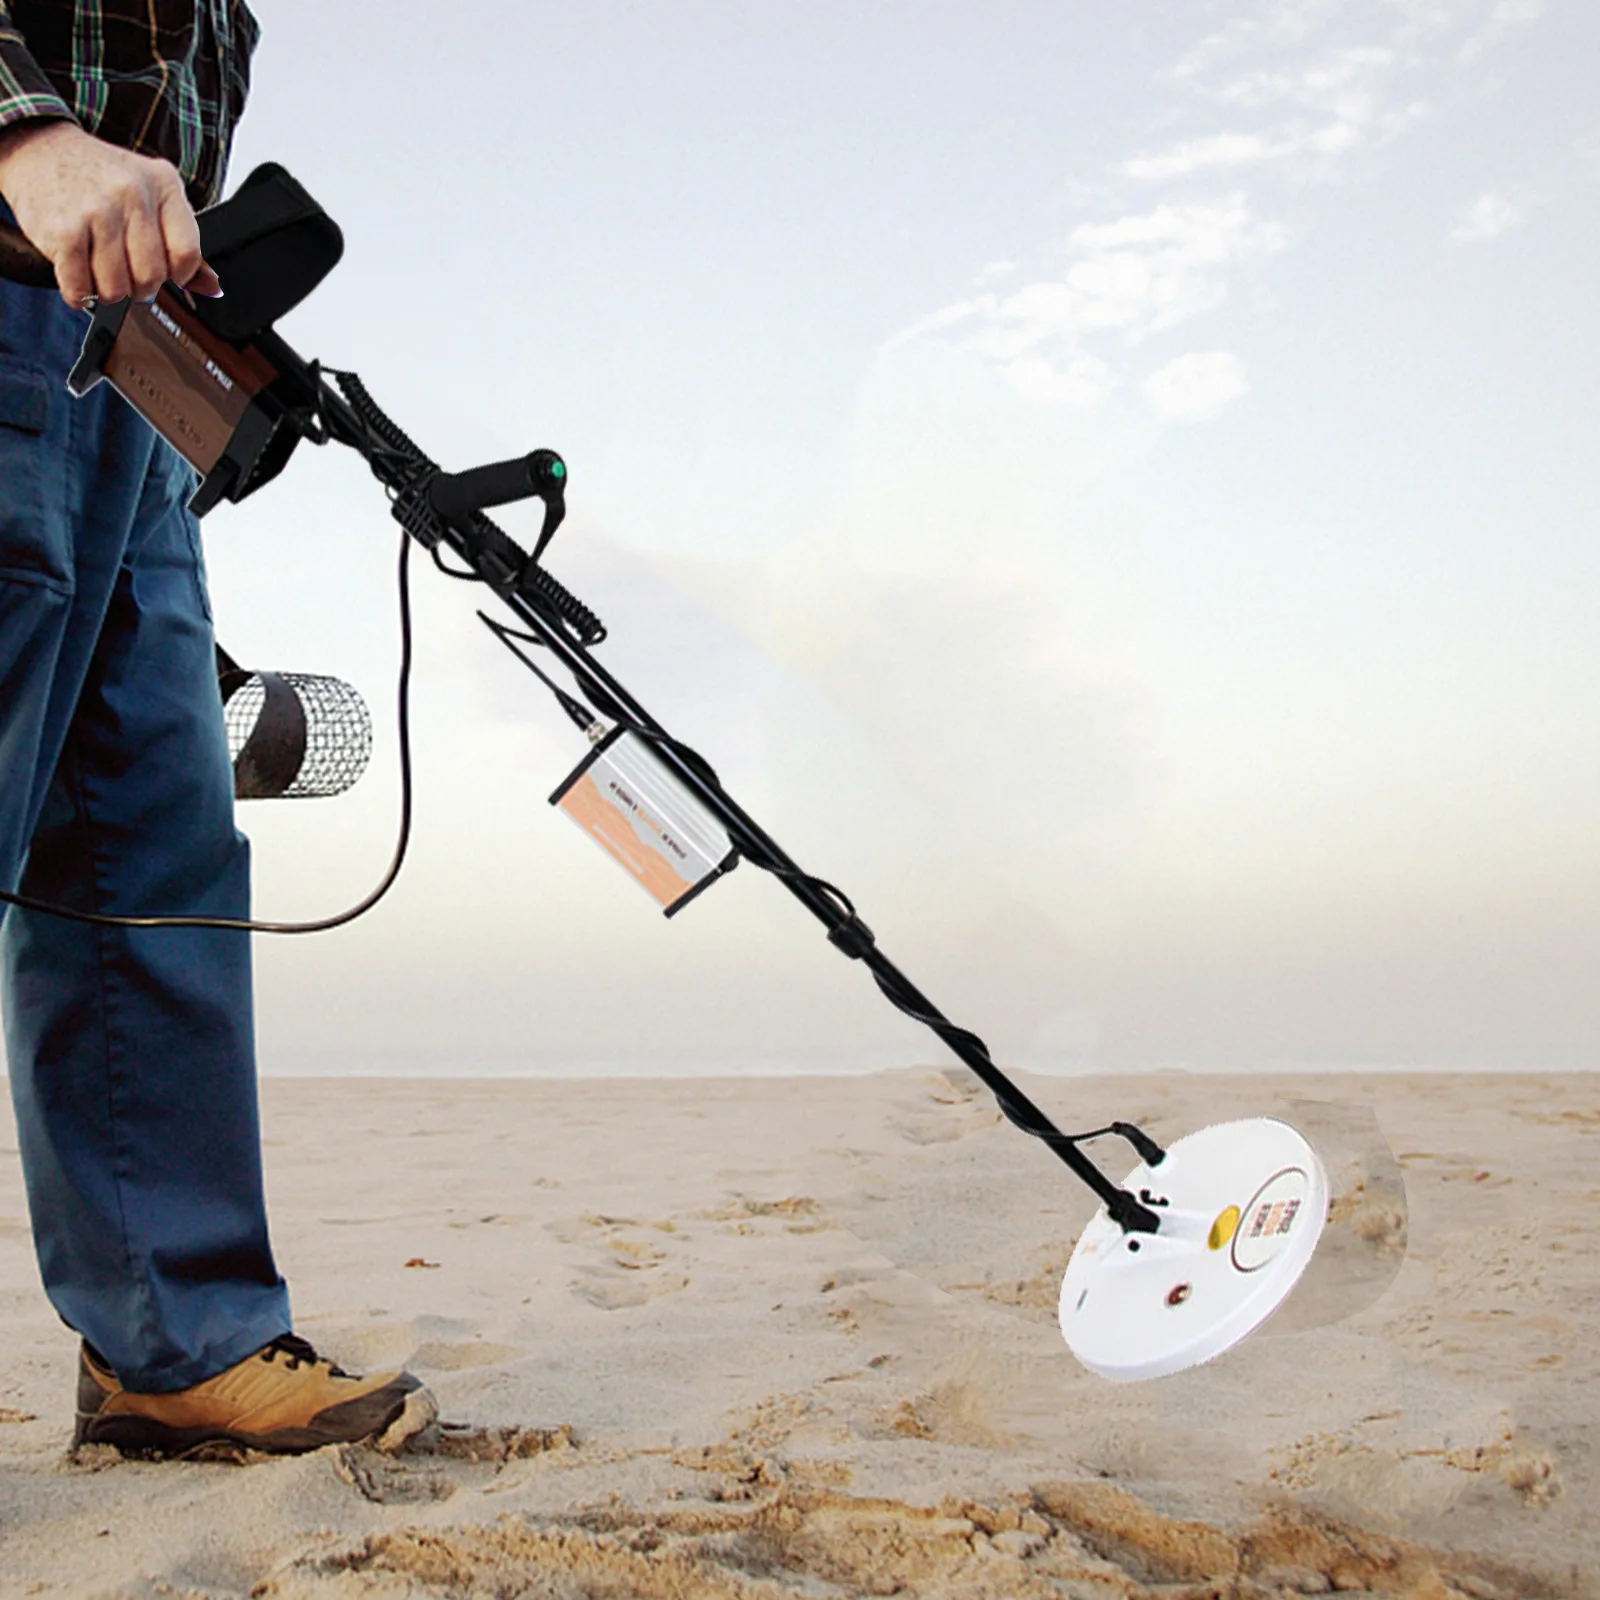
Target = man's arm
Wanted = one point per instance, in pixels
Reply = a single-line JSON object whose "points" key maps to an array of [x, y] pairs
{"points": [[112, 222], [26, 93]]}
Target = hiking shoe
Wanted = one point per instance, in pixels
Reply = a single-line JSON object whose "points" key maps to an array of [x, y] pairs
{"points": [[284, 1399]]}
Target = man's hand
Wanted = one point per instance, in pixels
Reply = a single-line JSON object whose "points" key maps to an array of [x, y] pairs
{"points": [[112, 222]]}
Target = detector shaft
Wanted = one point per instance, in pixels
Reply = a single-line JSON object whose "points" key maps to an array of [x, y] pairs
{"points": [[499, 566]]}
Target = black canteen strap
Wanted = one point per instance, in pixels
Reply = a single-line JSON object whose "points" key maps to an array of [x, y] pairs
{"points": [[276, 749], [230, 675]]}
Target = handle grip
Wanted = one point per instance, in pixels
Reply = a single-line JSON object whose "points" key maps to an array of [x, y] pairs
{"points": [[456, 495], [23, 264]]}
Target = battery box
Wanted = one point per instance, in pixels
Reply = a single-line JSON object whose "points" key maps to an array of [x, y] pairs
{"points": [[640, 814]]}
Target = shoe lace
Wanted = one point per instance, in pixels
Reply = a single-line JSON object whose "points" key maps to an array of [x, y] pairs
{"points": [[298, 1350]]}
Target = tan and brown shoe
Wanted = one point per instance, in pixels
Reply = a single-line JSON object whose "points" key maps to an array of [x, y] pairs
{"points": [[285, 1399]]}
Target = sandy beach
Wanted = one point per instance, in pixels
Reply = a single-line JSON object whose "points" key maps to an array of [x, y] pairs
{"points": [[745, 1339]]}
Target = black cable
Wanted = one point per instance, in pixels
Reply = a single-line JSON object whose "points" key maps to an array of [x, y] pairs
{"points": [[241, 925], [574, 708], [464, 573]]}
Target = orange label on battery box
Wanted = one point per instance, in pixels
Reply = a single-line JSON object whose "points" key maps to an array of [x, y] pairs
{"points": [[620, 835]]}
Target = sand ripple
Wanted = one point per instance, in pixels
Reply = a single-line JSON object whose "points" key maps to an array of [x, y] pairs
{"points": [[1059, 1541]]}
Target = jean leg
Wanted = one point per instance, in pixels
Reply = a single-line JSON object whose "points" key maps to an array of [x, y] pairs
{"points": [[131, 1050]]}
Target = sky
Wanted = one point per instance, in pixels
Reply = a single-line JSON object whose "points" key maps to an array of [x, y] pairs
{"points": [[1112, 488]]}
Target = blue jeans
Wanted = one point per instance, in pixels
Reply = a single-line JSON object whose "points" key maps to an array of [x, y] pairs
{"points": [[131, 1051]]}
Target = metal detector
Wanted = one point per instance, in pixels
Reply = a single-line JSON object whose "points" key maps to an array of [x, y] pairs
{"points": [[1202, 1242]]}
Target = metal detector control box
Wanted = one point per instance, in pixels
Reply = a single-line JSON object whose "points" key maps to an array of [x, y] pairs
{"points": [[211, 376], [642, 816], [206, 397]]}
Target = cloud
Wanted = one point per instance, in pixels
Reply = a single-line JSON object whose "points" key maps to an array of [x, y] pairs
{"points": [[1316, 51], [1332, 105], [1504, 16], [1489, 216], [1294, 91], [1196, 386], [1085, 380], [1273, 25], [1130, 279], [1195, 155], [1332, 70], [1151, 270], [1301, 151], [1343, 82]]}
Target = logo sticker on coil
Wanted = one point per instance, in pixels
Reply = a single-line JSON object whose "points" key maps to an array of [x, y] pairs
{"points": [[1270, 1218]]}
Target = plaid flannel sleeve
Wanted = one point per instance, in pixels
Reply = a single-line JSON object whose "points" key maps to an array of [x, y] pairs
{"points": [[25, 92]]}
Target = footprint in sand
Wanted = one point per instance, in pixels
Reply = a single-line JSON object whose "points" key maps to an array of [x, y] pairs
{"points": [[385, 1482], [630, 1273], [441, 1355], [496, 1219], [951, 1104], [582, 1229], [616, 1294], [798, 1212]]}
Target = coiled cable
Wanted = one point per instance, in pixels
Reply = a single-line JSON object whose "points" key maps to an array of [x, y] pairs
{"points": [[534, 583]]}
